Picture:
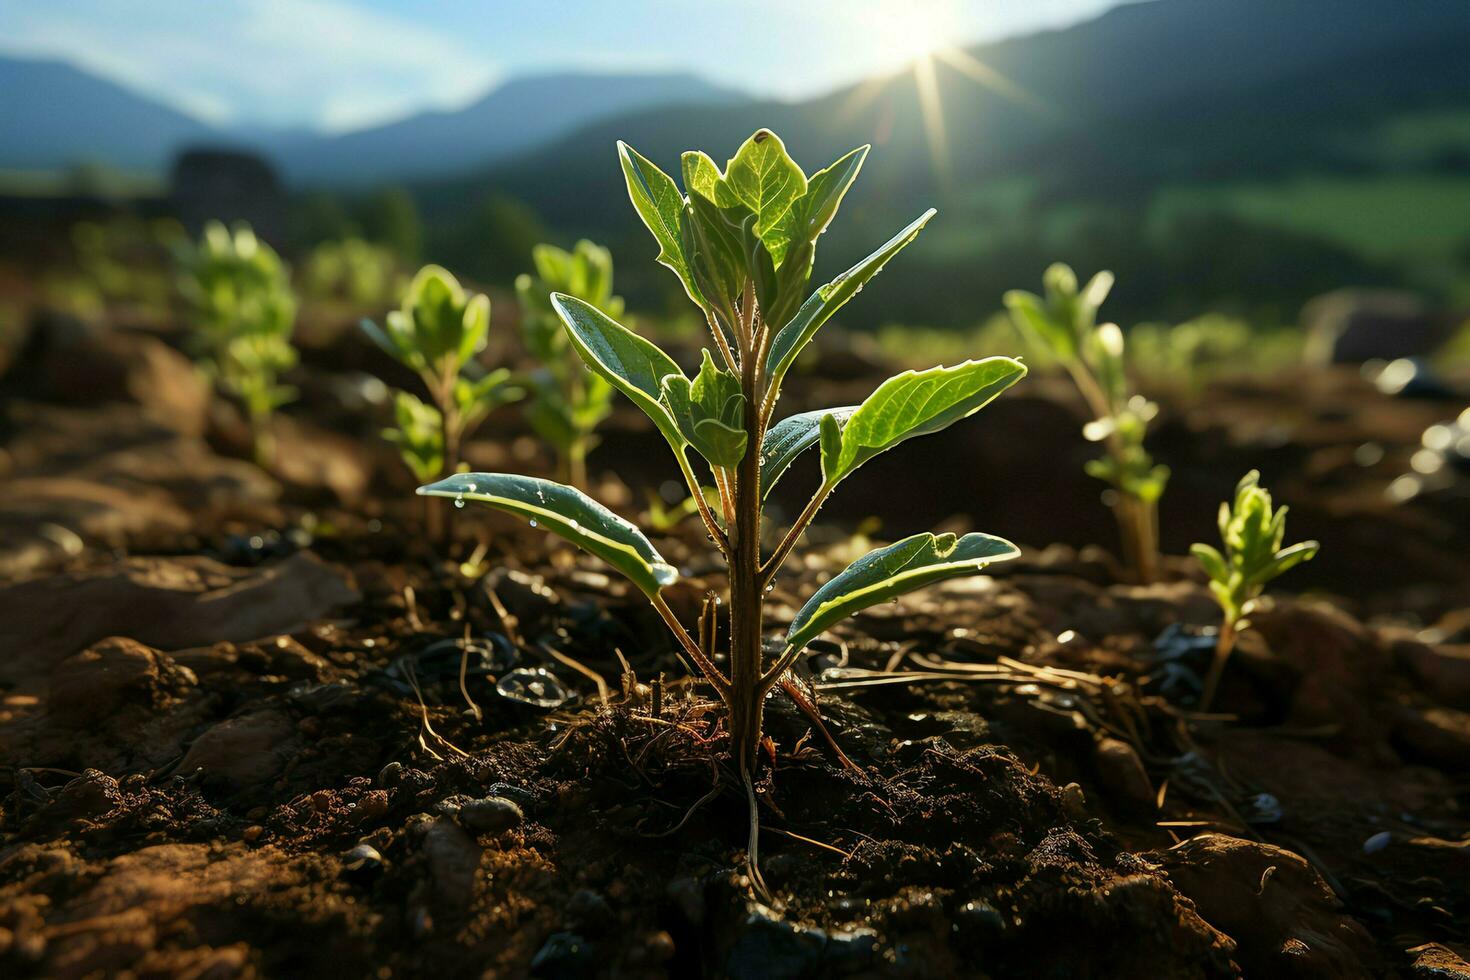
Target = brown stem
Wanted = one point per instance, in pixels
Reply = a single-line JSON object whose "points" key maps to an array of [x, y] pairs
{"points": [[773, 564], [711, 526], [1223, 646], [747, 593], [1136, 518], [715, 675], [577, 463]]}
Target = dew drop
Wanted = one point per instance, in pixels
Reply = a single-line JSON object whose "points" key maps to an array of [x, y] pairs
{"points": [[771, 588], [533, 522], [459, 502]]}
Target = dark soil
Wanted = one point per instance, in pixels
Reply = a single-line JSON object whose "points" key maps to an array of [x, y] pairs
{"points": [[234, 742]]}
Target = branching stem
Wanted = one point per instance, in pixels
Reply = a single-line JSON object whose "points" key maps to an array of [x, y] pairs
{"points": [[773, 564], [714, 674]]}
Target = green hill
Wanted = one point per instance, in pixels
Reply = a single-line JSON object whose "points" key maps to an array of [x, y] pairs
{"points": [[1236, 154]]}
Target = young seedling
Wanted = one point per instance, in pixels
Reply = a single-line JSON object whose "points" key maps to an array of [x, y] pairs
{"points": [[240, 294], [567, 401], [437, 332], [741, 241], [1251, 533], [1064, 324]]}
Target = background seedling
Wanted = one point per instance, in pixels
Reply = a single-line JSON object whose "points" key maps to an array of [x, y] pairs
{"points": [[240, 295], [1251, 533], [437, 332], [567, 401], [741, 241], [1064, 324]]}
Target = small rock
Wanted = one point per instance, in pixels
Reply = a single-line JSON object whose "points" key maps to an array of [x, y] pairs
{"points": [[492, 815], [1122, 774], [244, 751], [590, 911], [767, 946], [1281, 914], [362, 857], [564, 955]]}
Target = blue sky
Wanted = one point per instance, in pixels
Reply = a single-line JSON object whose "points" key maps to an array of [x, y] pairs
{"points": [[338, 64]]}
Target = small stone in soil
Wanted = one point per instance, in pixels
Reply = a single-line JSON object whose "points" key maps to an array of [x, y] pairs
{"points": [[564, 954], [490, 815]]}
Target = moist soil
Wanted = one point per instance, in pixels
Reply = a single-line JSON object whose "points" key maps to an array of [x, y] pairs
{"points": [[255, 724]]}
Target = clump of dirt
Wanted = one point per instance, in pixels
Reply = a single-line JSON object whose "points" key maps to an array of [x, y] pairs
{"points": [[282, 735]]}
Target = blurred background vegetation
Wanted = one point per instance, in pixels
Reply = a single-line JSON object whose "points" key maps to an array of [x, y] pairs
{"points": [[1228, 160]]}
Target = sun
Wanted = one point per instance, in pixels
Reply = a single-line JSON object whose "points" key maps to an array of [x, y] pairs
{"points": [[914, 30]]}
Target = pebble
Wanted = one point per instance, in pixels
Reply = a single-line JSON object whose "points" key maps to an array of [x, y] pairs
{"points": [[490, 815], [564, 954]]}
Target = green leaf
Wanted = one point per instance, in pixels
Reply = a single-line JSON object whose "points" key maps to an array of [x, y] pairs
{"points": [[701, 174], [438, 328], [716, 256], [791, 437], [818, 309], [710, 412], [418, 434], [1034, 323], [916, 403], [807, 218], [892, 571], [1211, 561], [810, 215], [764, 178], [631, 364], [476, 399], [658, 202], [1285, 560], [570, 513]]}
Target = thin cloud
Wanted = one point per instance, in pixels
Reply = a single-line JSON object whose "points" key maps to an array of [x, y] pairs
{"points": [[283, 62]]}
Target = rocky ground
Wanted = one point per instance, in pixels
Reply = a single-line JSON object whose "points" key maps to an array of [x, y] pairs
{"points": [[234, 742]]}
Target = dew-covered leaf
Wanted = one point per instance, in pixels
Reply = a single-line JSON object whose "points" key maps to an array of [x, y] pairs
{"points": [[794, 335], [763, 177], [892, 571], [634, 366], [570, 513], [710, 412], [659, 203], [791, 437], [916, 403]]}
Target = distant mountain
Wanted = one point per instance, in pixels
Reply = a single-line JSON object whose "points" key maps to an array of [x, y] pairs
{"points": [[521, 115], [53, 116], [1063, 158]]}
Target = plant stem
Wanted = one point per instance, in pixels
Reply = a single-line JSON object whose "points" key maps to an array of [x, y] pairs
{"points": [[747, 590], [576, 463], [1136, 517], [711, 526], [1223, 646], [773, 564], [715, 675]]}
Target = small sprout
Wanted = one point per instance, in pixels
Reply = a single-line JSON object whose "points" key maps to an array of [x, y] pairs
{"points": [[741, 242], [567, 401], [437, 332], [239, 292], [1064, 325], [1252, 535], [351, 271]]}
